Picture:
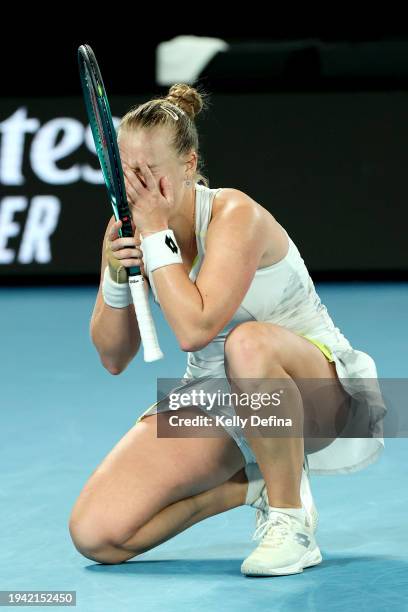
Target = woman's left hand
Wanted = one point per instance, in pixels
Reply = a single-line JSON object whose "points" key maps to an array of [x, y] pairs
{"points": [[150, 202]]}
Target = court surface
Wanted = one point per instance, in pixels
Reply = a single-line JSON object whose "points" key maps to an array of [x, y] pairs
{"points": [[60, 416]]}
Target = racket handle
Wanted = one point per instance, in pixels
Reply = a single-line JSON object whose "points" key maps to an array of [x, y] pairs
{"points": [[144, 317]]}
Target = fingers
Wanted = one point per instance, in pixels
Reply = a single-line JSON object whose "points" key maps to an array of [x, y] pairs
{"points": [[134, 184], [128, 256], [123, 243], [148, 176], [125, 250], [139, 180], [114, 230], [116, 242], [128, 253], [131, 193]]}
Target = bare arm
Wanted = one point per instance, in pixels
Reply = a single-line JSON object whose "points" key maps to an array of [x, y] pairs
{"points": [[235, 242], [114, 331]]}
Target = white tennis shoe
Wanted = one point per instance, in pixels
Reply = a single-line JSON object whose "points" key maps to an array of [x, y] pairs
{"points": [[287, 547]]}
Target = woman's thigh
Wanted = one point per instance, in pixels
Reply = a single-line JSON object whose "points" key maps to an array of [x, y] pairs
{"points": [[144, 474], [266, 345]]}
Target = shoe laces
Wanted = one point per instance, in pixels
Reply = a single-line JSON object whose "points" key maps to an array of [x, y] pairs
{"points": [[261, 503], [258, 516], [274, 529]]}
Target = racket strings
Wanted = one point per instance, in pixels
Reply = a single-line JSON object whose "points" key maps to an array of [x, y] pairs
{"points": [[105, 139]]}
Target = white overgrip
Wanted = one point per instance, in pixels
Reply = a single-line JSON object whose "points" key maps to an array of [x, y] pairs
{"points": [[148, 334]]}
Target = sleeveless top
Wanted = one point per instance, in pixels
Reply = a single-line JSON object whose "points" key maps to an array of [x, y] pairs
{"points": [[284, 294]]}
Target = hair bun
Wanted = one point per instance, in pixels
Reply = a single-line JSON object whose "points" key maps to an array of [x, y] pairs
{"points": [[187, 98]]}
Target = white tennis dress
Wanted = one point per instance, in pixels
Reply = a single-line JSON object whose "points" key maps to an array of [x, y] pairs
{"points": [[284, 294]]}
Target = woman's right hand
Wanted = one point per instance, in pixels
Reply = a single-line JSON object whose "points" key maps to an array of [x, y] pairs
{"points": [[123, 253]]}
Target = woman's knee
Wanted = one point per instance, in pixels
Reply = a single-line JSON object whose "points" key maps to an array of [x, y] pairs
{"points": [[97, 539], [90, 540], [251, 343]]}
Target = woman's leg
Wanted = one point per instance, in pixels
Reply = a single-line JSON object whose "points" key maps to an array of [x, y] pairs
{"points": [[148, 489], [259, 352]]}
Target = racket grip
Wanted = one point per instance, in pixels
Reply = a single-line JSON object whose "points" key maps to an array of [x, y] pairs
{"points": [[144, 317]]}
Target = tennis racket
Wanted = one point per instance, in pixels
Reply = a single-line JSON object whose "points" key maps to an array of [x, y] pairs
{"points": [[104, 135]]}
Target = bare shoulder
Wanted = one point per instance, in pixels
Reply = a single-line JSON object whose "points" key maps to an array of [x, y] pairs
{"points": [[271, 232], [228, 197]]}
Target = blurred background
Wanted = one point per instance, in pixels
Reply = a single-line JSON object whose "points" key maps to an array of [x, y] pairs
{"points": [[311, 124]]}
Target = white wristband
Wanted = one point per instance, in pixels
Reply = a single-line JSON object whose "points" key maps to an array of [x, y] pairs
{"points": [[114, 294], [160, 249]]}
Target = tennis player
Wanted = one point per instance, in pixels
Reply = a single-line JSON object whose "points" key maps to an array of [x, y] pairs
{"points": [[235, 291]]}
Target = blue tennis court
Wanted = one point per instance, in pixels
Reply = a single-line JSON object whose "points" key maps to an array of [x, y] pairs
{"points": [[60, 417]]}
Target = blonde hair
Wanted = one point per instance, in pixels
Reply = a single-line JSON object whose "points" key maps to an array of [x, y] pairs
{"points": [[177, 111]]}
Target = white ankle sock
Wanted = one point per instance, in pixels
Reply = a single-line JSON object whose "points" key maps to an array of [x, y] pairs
{"points": [[298, 513]]}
